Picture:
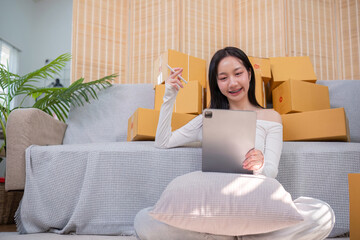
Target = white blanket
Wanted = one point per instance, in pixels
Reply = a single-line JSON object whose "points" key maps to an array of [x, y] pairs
{"points": [[96, 188]]}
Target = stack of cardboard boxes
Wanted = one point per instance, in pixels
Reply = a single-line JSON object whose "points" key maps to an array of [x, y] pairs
{"points": [[189, 102], [304, 105], [290, 82]]}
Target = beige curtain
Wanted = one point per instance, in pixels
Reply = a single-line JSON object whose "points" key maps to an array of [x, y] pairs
{"points": [[100, 39], [348, 38], [126, 36], [311, 31]]}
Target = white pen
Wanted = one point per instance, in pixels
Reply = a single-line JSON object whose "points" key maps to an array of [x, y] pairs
{"points": [[178, 75]]}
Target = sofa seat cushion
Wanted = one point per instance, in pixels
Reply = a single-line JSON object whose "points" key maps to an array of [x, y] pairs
{"points": [[76, 187], [97, 188], [320, 170]]}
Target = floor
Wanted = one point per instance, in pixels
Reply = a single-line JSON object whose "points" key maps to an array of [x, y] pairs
{"points": [[8, 232]]}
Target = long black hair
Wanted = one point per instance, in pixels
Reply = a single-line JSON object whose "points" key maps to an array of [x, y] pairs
{"points": [[218, 100]]}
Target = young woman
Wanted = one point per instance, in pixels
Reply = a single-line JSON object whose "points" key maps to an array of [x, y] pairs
{"points": [[232, 86]]}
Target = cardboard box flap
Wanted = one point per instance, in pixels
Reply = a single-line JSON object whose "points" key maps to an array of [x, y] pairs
{"points": [[262, 65]]}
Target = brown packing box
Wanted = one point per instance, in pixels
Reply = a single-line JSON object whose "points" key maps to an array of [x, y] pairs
{"points": [[299, 96], [262, 77], [143, 123], [173, 59], [268, 93], [188, 100], [260, 90], [327, 125], [291, 68], [354, 198], [197, 70], [194, 69], [262, 66]]}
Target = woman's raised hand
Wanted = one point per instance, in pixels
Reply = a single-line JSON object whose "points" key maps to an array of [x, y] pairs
{"points": [[254, 160], [174, 80]]}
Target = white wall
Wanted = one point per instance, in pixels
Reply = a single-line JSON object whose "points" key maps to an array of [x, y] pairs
{"points": [[16, 24], [41, 29], [52, 28]]}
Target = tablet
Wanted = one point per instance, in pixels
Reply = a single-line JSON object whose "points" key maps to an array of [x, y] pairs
{"points": [[227, 136]]}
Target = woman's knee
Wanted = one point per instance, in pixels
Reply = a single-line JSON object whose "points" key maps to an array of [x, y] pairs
{"points": [[142, 224], [318, 214]]}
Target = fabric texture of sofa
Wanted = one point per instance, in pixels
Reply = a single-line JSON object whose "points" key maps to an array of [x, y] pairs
{"points": [[91, 181]]}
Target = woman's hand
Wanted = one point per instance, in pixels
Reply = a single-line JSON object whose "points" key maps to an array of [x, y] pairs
{"points": [[254, 160], [174, 80]]}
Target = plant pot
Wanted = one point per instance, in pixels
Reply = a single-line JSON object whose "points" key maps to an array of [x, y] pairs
{"points": [[3, 153], [9, 202]]}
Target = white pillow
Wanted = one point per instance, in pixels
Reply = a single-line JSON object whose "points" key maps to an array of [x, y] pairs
{"points": [[226, 204]]}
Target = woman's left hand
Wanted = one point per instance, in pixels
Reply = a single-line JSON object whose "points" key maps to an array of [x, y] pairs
{"points": [[254, 160]]}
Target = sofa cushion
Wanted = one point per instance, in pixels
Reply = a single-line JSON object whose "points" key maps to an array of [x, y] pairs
{"points": [[319, 170], [106, 119], [345, 93], [226, 204]]}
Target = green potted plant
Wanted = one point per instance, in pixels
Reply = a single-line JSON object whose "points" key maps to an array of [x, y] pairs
{"points": [[53, 100]]}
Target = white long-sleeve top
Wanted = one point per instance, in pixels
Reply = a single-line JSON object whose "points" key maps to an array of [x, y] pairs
{"points": [[268, 134]]}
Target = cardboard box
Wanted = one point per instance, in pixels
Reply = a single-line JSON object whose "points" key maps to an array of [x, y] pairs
{"points": [[262, 71], [262, 77], [260, 90], [262, 66], [291, 68], [354, 207], [268, 93], [194, 69], [299, 96], [189, 99], [143, 123], [327, 125]]}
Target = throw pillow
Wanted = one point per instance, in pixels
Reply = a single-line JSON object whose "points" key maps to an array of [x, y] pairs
{"points": [[226, 204]]}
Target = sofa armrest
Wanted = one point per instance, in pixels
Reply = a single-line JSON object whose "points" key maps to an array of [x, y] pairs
{"points": [[27, 127]]}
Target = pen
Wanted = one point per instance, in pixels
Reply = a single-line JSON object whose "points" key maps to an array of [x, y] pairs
{"points": [[178, 75]]}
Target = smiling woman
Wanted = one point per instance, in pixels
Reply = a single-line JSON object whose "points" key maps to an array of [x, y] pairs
{"points": [[232, 87]]}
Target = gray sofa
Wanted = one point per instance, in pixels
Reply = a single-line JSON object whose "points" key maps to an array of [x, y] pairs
{"points": [[84, 177]]}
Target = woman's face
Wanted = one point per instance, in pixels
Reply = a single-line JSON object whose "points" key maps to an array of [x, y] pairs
{"points": [[233, 79]]}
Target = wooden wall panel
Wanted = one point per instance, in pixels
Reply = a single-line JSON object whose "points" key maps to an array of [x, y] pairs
{"points": [[311, 31], [206, 27], [259, 27], [154, 28], [126, 36], [99, 45], [349, 38]]}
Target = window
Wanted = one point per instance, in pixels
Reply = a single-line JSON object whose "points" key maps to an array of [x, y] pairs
{"points": [[9, 57]]}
